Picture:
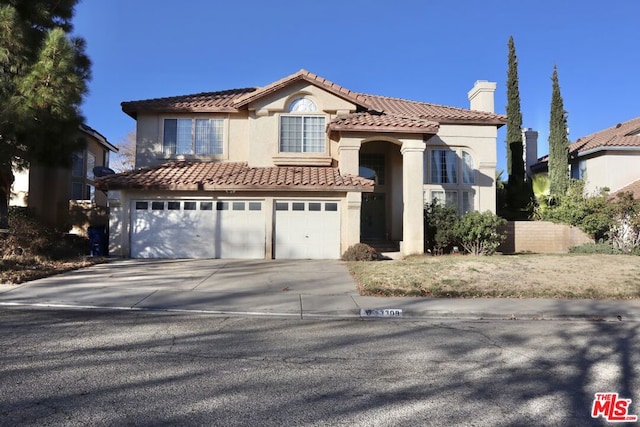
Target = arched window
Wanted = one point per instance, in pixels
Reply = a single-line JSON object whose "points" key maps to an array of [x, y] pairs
{"points": [[302, 133]]}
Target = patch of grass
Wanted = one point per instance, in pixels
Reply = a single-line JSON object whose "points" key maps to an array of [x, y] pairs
{"points": [[590, 276]]}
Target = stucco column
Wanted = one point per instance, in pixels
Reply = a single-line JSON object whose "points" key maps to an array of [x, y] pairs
{"points": [[351, 219], [349, 157], [116, 225], [412, 213]]}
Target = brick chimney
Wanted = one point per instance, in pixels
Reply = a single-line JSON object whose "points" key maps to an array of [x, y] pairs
{"points": [[481, 96]]}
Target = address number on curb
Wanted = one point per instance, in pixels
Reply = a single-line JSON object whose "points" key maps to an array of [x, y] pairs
{"points": [[387, 312]]}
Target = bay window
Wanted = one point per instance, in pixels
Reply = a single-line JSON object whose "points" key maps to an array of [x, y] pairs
{"points": [[453, 171]]}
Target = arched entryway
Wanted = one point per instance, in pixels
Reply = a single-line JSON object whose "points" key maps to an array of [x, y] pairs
{"points": [[381, 211]]}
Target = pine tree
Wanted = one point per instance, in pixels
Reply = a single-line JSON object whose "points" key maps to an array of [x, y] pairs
{"points": [[43, 75], [558, 142]]}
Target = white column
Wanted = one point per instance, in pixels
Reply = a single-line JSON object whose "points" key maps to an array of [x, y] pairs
{"points": [[412, 213]]}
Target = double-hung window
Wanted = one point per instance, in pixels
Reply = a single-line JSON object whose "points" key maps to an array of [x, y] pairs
{"points": [[193, 137], [455, 173], [301, 132]]}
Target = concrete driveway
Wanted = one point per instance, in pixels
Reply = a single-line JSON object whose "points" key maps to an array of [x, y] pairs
{"points": [[227, 286]]}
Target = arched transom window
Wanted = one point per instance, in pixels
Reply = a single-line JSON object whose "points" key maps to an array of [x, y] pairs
{"points": [[300, 131]]}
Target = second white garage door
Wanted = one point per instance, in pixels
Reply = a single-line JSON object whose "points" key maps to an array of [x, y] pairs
{"points": [[307, 230], [198, 229]]}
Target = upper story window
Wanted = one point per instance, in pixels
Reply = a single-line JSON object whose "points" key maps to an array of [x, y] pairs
{"points": [[451, 167], [301, 132], [193, 136], [82, 164]]}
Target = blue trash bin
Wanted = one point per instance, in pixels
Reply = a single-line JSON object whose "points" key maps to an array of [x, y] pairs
{"points": [[97, 241]]}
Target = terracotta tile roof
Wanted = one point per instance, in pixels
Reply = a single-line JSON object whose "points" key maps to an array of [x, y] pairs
{"points": [[373, 121], [626, 134], [309, 77], [633, 188], [621, 136], [222, 101], [209, 176], [233, 100], [434, 112]]}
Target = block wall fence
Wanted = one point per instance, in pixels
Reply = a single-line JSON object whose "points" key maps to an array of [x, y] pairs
{"points": [[541, 237]]}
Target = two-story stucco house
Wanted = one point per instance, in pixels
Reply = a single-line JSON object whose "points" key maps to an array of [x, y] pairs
{"points": [[300, 168]]}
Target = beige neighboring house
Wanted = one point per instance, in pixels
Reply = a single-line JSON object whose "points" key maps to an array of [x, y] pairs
{"points": [[609, 158], [299, 168], [67, 197]]}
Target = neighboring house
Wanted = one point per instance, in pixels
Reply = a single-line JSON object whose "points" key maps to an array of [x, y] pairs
{"points": [[66, 197], [609, 158], [300, 168]]}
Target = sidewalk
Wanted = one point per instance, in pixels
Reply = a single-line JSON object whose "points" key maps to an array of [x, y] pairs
{"points": [[289, 289]]}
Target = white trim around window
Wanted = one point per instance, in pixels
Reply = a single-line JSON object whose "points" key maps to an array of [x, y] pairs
{"points": [[194, 137]]}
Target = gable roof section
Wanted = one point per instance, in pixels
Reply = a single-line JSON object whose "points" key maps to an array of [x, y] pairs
{"points": [[206, 176], [304, 75], [99, 137], [626, 134], [205, 102], [398, 112]]}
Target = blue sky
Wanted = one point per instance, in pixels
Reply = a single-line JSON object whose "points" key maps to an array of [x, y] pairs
{"points": [[431, 51]]}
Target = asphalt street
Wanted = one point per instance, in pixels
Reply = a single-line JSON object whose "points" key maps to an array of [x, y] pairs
{"points": [[107, 368]]}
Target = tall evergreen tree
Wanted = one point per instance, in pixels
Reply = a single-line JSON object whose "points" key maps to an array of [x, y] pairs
{"points": [[558, 142], [43, 75], [517, 193], [514, 115]]}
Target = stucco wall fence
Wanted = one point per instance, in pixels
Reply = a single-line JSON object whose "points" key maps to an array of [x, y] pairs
{"points": [[541, 237]]}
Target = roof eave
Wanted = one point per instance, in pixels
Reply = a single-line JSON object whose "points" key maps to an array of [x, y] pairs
{"points": [[383, 129]]}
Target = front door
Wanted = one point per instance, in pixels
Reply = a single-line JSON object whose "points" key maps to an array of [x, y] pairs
{"points": [[373, 223]]}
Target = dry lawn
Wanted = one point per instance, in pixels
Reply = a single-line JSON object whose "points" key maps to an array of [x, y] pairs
{"points": [[508, 276]]}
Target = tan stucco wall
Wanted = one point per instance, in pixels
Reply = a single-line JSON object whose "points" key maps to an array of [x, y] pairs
{"points": [[250, 136], [480, 142], [613, 169]]}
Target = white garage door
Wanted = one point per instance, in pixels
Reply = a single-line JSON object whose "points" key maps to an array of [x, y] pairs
{"points": [[307, 230], [198, 229]]}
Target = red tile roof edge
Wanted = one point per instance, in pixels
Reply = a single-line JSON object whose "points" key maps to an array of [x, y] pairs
{"points": [[309, 77]]}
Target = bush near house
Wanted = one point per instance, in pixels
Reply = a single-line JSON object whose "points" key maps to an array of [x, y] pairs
{"points": [[32, 250], [615, 222], [476, 232], [360, 252], [439, 223]]}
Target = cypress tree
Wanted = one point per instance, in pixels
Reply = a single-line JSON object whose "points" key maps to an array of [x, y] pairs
{"points": [[514, 115], [558, 142], [517, 194], [43, 75]]}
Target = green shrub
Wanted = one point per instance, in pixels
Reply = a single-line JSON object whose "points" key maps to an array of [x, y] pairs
{"points": [[595, 248], [591, 213], [360, 252], [478, 232], [439, 225]]}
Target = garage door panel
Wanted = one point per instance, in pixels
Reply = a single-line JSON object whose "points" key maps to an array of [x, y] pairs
{"points": [[307, 230], [198, 229]]}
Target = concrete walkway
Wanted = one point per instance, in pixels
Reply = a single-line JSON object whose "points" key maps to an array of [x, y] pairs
{"points": [[299, 289]]}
